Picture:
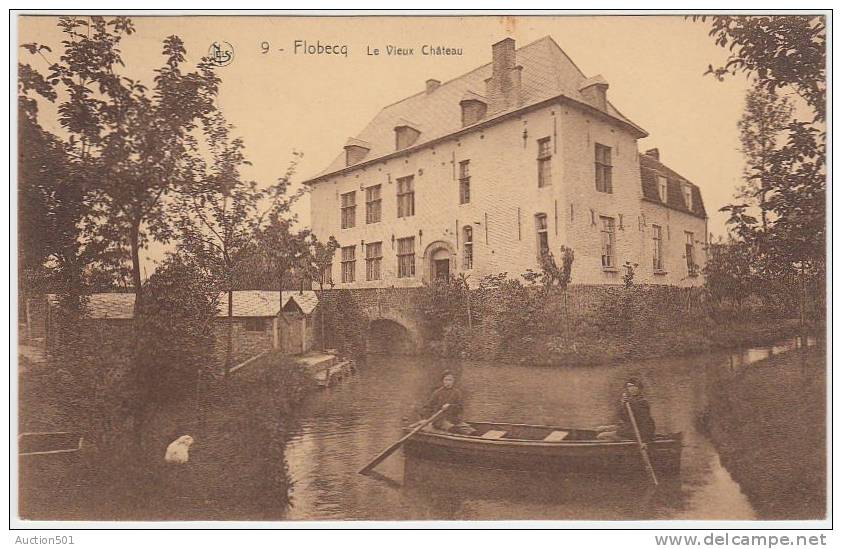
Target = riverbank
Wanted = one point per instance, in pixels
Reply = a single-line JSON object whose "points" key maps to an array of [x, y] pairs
{"points": [[769, 424], [237, 464], [588, 344]]}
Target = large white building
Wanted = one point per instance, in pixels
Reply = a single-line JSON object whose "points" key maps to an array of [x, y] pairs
{"points": [[483, 173]]}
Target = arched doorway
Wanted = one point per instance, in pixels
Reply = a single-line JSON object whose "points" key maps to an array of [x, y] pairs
{"points": [[439, 261], [387, 337]]}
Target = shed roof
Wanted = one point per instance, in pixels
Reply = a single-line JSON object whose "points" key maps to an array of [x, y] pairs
{"points": [[265, 302], [247, 303]]}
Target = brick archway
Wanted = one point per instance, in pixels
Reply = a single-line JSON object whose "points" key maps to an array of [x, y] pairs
{"points": [[437, 250]]}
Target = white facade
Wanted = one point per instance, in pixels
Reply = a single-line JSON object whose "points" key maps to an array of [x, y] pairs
{"points": [[507, 208]]}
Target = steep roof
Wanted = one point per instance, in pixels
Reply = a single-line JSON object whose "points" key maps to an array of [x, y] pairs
{"points": [[650, 169], [265, 302], [247, 303], [112, 305], [547, 73]]}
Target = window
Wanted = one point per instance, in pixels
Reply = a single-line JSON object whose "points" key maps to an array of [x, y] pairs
{"points": [[406, 197], [406, 257], [349, 263], [373, 258], [690, 253], [657, 249], [545, 155], [608, 261], [327, 274], [255, 324], [349, 209], [467, 247], [464, 182], [688, 196], [373, 204], [662, 188], [603, 169], [543, 243]]}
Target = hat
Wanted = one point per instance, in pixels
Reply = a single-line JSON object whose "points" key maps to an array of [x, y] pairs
{"points": [[446, 373], [634, 381]]}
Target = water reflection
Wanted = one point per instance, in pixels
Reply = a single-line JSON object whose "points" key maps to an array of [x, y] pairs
{"points": [[344, 427]]}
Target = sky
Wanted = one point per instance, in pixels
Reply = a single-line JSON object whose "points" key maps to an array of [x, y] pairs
{"points": [[281, 101]]}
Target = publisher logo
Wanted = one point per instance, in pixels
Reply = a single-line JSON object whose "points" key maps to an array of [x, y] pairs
{"points": [[221, 53]]}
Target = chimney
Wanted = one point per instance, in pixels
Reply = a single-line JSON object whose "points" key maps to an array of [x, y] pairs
{"points": [[432, 85], [503, 87], [595, 90], [355, 150], [654, 154]]}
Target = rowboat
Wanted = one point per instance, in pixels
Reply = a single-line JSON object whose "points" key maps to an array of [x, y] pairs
{"points": [[544, 448]]}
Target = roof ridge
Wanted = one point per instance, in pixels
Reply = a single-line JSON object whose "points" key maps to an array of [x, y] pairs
{"points": [[464, 74]]}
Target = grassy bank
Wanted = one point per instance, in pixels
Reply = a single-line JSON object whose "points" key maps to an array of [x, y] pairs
{"points": [[236, 470], [597, 325], [769, 426]]}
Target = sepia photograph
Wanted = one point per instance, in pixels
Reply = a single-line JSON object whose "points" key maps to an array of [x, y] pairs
{"points": [[400, 267]]}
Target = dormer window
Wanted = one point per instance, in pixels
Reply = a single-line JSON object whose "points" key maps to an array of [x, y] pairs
{"points": [[405, 134], [688, 196], [662, 188], [474, 108], [355, 150]]}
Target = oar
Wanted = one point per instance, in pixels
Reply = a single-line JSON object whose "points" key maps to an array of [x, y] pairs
{"points": [[646, 462], [390, 450]]}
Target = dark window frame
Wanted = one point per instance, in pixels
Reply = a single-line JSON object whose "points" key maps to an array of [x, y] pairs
{"points": [[373, 261], [608, 249], [373, 204], [545, 156], [406, 257], [348, 209], [349, 264], [542, 236], [467, 248], [464, 182], [603, 168], [406, 196]]}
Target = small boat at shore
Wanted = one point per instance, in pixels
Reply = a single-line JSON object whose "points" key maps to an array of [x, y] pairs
{"points": [[544, 448]]}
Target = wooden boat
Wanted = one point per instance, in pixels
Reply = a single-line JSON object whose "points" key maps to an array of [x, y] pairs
{"points": [[544, 448]]}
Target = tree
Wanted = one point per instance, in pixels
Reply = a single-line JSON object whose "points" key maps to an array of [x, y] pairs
{"points": [[318, 262], [173, 324], [130, 140], [786, 52], [282, 247], [218, 212], [62, 246], [780, 50], [765, 117]]}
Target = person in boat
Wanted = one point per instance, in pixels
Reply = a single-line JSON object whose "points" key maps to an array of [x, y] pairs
{"points": [[623, 429], [451, 420]]}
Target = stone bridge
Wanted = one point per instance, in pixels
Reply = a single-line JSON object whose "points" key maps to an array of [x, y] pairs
{"points": [[388, 319]]}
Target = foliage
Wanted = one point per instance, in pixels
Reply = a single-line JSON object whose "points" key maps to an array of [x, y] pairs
{"points": [[129, 139], [765, 117], [782, 52], [445, 302], [729, 273], [551, 273], [321, 258], [628, 276], [175, 332], [62, 246]]}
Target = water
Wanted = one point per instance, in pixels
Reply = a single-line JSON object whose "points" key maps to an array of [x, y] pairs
{"points": [[342, 428]]}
